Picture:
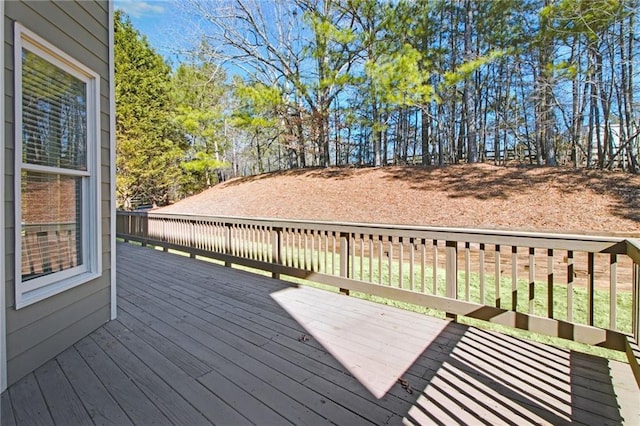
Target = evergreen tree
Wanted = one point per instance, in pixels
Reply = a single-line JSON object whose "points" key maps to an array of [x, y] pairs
{"points": [[200, 94], [148, 146]]}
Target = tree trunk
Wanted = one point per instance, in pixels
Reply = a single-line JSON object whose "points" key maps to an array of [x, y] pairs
{"points": [[469, 106]]}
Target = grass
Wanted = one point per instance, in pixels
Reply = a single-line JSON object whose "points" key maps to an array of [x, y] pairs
{"points": [[381, 273]]}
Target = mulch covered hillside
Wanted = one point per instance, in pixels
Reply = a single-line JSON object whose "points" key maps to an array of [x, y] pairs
{"points": [[478, 196]]}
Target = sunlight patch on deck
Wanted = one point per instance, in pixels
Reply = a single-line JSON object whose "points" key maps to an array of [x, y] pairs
{"points": [[374, 344]]}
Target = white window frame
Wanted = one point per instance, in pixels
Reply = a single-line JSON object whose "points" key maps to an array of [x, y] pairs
{"points": [[3, 259], [40, 288]]}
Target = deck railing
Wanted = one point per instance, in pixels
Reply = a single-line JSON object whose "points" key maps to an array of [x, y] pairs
{"points": [[582, 288]]}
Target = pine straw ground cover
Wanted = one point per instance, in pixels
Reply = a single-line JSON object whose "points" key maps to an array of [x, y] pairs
{"points": [[475, 196]]}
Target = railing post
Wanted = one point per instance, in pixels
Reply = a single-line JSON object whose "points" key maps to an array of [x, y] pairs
{"points": [[451, 272], [276, 249], [344, 259]]}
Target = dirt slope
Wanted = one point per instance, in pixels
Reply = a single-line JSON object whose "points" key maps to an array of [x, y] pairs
{"points": [[478, 196]]}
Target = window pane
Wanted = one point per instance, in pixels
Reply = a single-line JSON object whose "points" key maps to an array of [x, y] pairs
{"points": [[54, 115], [51, 223]]}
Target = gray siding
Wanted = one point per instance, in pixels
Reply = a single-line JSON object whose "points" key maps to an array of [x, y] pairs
{"points": [[40, 331]]}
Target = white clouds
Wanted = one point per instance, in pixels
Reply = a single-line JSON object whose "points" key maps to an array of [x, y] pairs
{"points": [[138, 9]]}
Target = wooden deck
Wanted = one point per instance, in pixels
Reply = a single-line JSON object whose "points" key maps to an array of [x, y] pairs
{"points": [[196, 343]]}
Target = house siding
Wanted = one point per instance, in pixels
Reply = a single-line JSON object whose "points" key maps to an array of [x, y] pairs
{"points": [[40, 331]]}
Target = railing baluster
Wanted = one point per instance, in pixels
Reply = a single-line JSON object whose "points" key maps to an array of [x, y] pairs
{"points": [[635, 302], [590, 286], [333, 252], [467, 271], [237, 240], [306, 259], [352, 254], [497, 276], [301, 253], [314, 251], [613, 291], [344, 254], [380, 250], [361, 277], [481, 266], [514, 278], [265, 233], [370, 258], [532, 279], [254, 243], [246, 240], [215, 237], [435, 267], [325, 252], [412, 250], [306, 253], [291, 241], [451, 272], [390, 254], [570, 275], [242, 240], [400, 262], [423, 264], [255, 246], [550, 283]]}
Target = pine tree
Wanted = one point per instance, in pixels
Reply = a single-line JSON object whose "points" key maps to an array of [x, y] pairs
{"points": [[148, 146]]}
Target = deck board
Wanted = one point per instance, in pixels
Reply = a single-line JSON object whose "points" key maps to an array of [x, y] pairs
{"points": [[64, 405], [212, 407], [198, 343], [6, 410], [28, 403], [95, 397], [127, 393]]}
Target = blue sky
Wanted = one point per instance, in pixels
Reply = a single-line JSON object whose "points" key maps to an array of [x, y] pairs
{"points": [[163, 22]]}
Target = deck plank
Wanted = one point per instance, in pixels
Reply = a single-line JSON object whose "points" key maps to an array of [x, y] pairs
{"points": [[6, 411], [187, 386], [199, 343], [168, 401], [170, 349], [139, 408], [64, 405], [29, 407], [95, 397]]}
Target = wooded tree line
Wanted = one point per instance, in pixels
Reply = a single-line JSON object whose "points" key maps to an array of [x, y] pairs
{"points": [[367, 82], [436, 82]]}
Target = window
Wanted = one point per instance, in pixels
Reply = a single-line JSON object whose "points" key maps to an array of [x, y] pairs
{"points": [[57, 170]]}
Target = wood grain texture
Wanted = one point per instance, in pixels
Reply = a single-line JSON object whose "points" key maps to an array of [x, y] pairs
{"points": [[200, 343]]}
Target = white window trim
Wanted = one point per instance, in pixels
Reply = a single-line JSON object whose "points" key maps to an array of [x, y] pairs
{"points": [[3, 259], [49, 285], [112, 162]]}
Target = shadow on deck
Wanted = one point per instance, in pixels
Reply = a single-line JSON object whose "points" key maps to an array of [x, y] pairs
{"points": [[196, 343]]}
